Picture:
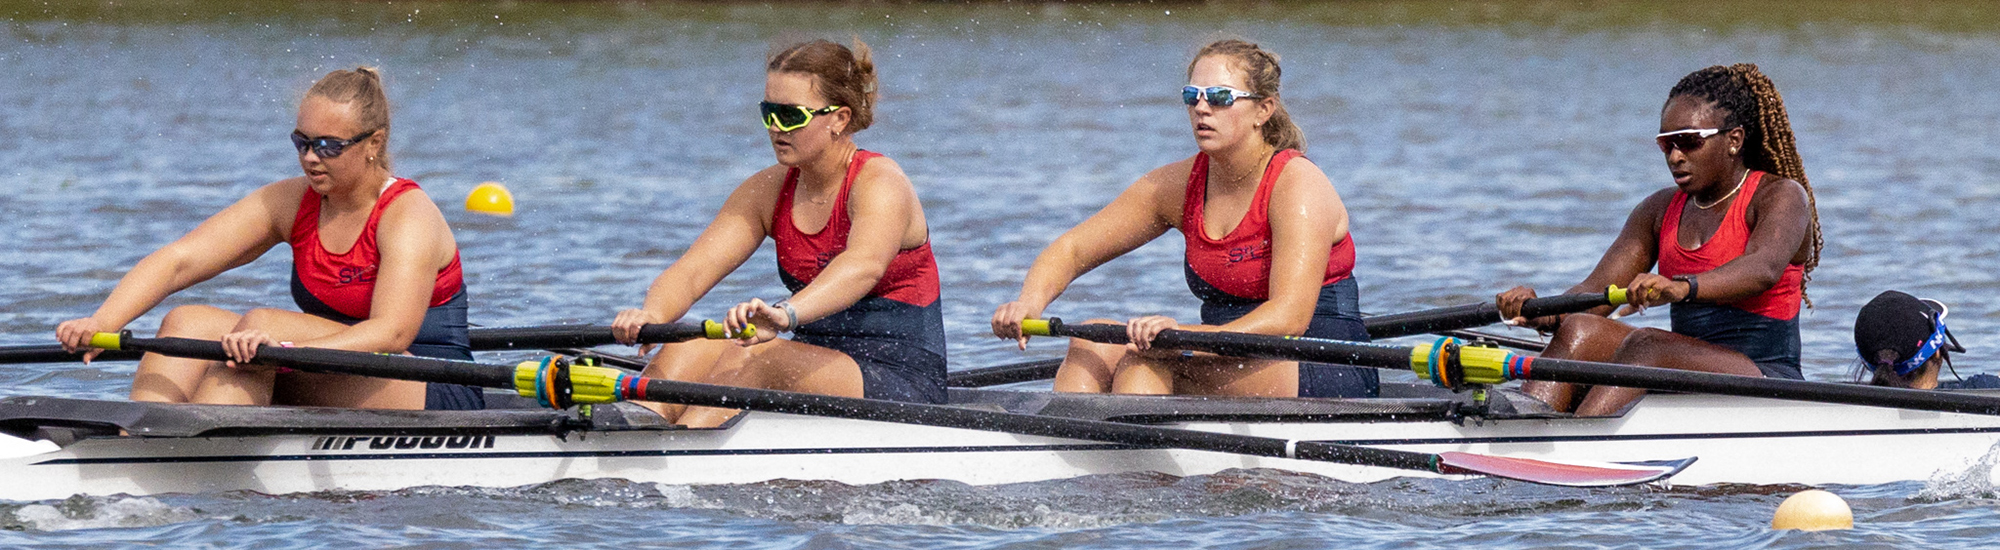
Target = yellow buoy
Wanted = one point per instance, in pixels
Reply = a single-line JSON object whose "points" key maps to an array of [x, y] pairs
{"points": [[490, 198], [1813, 510]]}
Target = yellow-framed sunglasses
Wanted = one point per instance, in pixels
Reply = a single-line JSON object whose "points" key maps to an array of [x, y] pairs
{"points": [[785, 118]]}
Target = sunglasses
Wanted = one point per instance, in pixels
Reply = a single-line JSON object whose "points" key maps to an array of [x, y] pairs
{"points": [[785, 118], [1685, 140], [1217, 96], [326, 147]]}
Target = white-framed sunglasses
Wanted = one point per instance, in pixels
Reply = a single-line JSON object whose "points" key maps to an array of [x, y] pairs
{"points": [[1685, 140]]}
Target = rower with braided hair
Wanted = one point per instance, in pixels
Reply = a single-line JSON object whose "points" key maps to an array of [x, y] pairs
{"points": [[1734, 266]]}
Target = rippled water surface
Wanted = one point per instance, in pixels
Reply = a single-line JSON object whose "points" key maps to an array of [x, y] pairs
{"points": [[1477, 146]]}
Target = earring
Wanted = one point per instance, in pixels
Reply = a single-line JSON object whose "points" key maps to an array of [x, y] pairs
{"points": [[1732, 150]]}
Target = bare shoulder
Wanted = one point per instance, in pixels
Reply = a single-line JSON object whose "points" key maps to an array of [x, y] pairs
{"points": [[1301, 174], [1170, 179], [1776, 189], [882, 171], [1657, 202]]}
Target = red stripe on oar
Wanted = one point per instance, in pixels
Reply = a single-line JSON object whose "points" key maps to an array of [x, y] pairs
{"points": [[1573, 474]]}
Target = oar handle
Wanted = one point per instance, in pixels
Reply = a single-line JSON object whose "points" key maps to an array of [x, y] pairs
{"points": [[585, 336], [399, 367], [1485, 313]]}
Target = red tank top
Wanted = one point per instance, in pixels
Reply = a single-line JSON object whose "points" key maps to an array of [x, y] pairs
{"points": [[1780, 302], [911, 278], [346, 282], [1240, 263]]}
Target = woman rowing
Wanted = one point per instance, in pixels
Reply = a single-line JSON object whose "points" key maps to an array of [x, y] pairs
{"points": [[1736, 239], [374, 268], [852, 247], [1903, 343], [1268, 250]]}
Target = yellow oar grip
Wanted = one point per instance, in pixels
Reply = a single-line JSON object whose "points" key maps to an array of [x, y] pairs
{"points": [[1615, 295], [1035, 327], [717, 331], [106, 340]]}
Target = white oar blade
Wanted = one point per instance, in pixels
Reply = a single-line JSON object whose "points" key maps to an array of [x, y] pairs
{"points": [[1567, 474]]}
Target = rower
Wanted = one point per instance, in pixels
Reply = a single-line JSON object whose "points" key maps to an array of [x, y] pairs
{"points": [[375, 269], [852, 246], [1736, 239], [1268, 250], [1903, 343]]}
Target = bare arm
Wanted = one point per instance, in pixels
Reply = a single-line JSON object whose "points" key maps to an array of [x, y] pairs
{"points": [[1140, 214], [1307, 218], [881, 206], [728, 241], [230, 238], [1634, 252]]}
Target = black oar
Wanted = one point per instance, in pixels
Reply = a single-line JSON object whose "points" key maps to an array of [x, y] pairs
{"points": [[1485, 313], [1025, 371], [1448, 364], [555, 382], [483, 339]]}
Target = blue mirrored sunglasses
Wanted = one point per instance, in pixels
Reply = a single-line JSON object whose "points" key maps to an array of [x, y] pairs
{"points": [[1217, 96]]}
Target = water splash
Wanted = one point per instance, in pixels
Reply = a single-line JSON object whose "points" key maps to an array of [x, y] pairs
{"points": [[87, 512], [1975, 481]]}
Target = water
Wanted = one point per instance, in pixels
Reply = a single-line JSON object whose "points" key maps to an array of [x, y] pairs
{"points": [[1477, 147]]}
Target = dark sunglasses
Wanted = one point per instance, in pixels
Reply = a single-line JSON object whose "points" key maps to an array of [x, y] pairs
{"points": [[785, 118], [1217, 96], [326, 147], [1688, 141]]}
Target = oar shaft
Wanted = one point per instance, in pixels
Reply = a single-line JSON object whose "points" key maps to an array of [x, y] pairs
{"points": [[51, 353], [1488, 365], [402, 367], [586, 336], [1611, 374], [1026, 424], [1485, 313]]}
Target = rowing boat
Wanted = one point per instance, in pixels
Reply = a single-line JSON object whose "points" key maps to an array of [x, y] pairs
{"points": [[56, 447]]}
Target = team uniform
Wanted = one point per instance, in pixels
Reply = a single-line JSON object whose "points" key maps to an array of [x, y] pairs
{"points": [[896, 332], [341, 288], [1232, 276], [1764, 327]]}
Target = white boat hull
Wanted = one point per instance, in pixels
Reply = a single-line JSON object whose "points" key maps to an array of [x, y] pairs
{"points": [[1737, 440]]}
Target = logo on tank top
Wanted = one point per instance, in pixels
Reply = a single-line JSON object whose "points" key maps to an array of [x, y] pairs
{"points": [[1251, 252], [823, 258], [350, 275]]}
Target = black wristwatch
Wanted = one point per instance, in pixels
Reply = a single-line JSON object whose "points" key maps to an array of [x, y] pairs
{"points": [[1692, 286]]}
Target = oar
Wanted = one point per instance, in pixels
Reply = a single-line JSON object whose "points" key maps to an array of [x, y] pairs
{"points": [[550, 337], [1025, 371], [1485, 313], [1450, 365], [555, 382]]}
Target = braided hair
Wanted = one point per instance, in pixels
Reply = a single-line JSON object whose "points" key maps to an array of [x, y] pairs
{"points": [[1748, 99]]}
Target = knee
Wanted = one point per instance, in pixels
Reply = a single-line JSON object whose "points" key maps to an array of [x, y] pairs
{"points": [[1576, 328], [196, 321], [1641, 347], [259, 318]]}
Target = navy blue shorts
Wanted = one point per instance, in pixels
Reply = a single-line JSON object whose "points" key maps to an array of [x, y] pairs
{"points": [[890, 369], [1770, 343], [1337, 317]]}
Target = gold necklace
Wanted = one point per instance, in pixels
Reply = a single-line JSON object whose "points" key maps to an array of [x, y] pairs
{"points": [[1732, 192], [1255, 168]]}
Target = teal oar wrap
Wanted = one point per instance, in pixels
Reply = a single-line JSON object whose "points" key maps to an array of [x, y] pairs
{"points": [[1449, 364], [555, 382]]}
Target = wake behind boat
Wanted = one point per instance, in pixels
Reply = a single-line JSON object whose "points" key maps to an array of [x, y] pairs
{"points": [[63, 447]]}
